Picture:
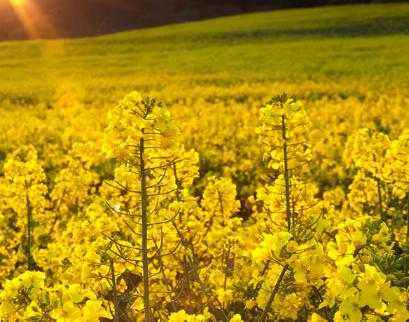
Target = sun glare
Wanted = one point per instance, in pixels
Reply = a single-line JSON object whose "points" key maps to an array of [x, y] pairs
{"points": [[34, 21], [18, 3]]}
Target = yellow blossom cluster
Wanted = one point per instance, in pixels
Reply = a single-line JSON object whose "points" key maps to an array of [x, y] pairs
{"points": [[206, 207]]}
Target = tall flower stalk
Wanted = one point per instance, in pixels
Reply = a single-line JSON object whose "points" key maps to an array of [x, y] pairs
{"points": [[283, 123], [144, 140]]}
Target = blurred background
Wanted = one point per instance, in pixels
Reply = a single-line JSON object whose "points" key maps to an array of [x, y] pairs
{"points": [[82, 18]]}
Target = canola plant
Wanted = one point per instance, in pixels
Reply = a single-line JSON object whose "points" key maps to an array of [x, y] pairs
{"points": [[206, 208]]}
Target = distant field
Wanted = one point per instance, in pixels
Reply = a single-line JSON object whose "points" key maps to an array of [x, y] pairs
{"points": [[352, 45]]}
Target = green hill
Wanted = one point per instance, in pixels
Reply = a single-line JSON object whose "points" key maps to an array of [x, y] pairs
{"points": [[359, 43]]}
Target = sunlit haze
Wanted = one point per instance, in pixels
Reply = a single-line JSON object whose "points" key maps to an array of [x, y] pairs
{"points": [[18, 3], [33, 20]]}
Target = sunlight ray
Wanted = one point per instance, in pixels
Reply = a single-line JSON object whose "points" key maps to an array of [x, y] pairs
{"points": [[35, 23]]}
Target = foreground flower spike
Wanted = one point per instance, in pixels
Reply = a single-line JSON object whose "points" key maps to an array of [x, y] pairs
{"points": [[288, 192], [282, 132], [143, 138], [365, 151], [26, 191]]}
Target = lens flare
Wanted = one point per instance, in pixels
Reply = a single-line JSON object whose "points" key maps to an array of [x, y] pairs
{"points": [[35, 22], [17, 3]]}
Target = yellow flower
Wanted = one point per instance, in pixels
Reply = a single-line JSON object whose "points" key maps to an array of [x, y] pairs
{"points": [[93, 311], [182, 316], [236, 318], [351, 308], [31, 279], [66, 313], [78, 294]]}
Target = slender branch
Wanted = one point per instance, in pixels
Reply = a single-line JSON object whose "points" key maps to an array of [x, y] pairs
{"points": [[407, 217], [383, 216], [169, 287], [30, 264], [114, 292], [273, 294], [144, 237], [286, 171]]}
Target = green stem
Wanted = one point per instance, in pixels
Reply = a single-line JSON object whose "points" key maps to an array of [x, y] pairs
{"points": [[175, 173], [226, 269], [114, 292], [177, 188], [383, 217], [30, 263], [144, 237], [273, 294], [407, 217], [286, 172], [378, 183], [169, 287], [219, 195]]}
